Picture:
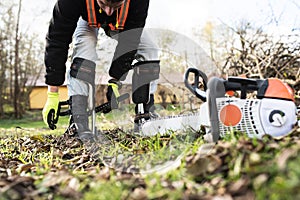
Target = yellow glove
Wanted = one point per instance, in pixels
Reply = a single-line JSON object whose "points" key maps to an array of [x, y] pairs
{"points": [[112, 93], [50, 109]]}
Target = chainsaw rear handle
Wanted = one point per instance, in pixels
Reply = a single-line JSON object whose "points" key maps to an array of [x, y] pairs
{"points": [[242, 84], [194, 87]]}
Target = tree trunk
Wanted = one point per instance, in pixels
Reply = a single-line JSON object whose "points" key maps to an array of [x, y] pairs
{"points": [[17, 110]]}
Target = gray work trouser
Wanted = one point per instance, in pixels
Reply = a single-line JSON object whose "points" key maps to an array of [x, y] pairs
{"points": [[85, 41]]}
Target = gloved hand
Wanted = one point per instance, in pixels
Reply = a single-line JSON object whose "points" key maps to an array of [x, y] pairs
{"points": [[113, 92], [50, 109]]}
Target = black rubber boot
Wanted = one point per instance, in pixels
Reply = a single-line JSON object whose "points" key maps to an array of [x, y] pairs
{"points": [[149, 109], [149, 113], [80, 118]]}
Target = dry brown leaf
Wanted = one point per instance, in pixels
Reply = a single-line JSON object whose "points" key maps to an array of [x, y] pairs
{"points": [[221, 191], [239, 187], [55, 178], [19, 182], [104, 173], [245, 144], [284, 156], [138, 194], [70, 193], [259, 180], [215, 181], [254, 158], [203, 165], [74, 184], [25, 167], [222, 197], [206, 149], [3, 183], [249, 195]]}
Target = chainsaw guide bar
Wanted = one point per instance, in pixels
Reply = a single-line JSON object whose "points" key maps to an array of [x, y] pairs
{"points": [[165, 125]]}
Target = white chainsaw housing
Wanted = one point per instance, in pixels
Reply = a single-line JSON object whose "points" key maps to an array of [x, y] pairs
{"points": [[259, 116]]}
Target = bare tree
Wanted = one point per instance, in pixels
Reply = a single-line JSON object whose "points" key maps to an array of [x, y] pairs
{"points": [[249, 50], [6, 51], [17, 112], [20, 62]]}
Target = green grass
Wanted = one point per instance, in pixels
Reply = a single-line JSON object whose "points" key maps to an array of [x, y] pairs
{"points": [[38, 163], [32, 119]]}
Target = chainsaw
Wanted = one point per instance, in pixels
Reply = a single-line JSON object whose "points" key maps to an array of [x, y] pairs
{"points": [[103, 108], [272, 110], [262, 106]]}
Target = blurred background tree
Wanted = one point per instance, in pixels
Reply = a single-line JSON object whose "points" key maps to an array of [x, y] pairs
{"points": [[20, 61], [246, 49]]}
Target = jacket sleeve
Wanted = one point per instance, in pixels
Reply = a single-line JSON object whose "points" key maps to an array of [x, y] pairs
{"points": [[61, 28], [129, 39]]}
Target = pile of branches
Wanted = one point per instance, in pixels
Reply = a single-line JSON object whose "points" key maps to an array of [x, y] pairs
{"points": [[259, 55]]}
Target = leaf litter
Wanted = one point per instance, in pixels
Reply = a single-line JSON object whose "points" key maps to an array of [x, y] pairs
{"points": [[45, 166]]}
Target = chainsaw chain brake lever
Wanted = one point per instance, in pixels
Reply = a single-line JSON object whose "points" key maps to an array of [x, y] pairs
{"points": [[197, 87]]}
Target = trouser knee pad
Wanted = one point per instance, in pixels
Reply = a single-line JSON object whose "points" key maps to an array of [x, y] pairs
{"points": [[84, 70], [144, 73]]}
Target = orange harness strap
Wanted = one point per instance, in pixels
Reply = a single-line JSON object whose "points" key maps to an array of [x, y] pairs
{"points": [[123, 14], [92, 19]]}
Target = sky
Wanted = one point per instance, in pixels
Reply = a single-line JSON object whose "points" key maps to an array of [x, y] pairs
{"points": [[184, 16]]}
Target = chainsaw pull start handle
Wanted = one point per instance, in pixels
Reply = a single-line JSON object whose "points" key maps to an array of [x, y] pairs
{"points": [[194, 87]]}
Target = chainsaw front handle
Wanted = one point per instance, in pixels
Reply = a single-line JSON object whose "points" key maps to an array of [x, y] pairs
{"points": [[51, 119], [104, 108], [196, 87]]}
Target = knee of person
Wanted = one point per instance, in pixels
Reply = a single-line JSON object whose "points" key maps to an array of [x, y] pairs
{"points": [[83, 69], [147, 54], [85, 41], [77, 87], [85, 49]]}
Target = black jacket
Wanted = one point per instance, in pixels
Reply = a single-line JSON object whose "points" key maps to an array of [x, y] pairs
{"points": [[62, 26]]}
